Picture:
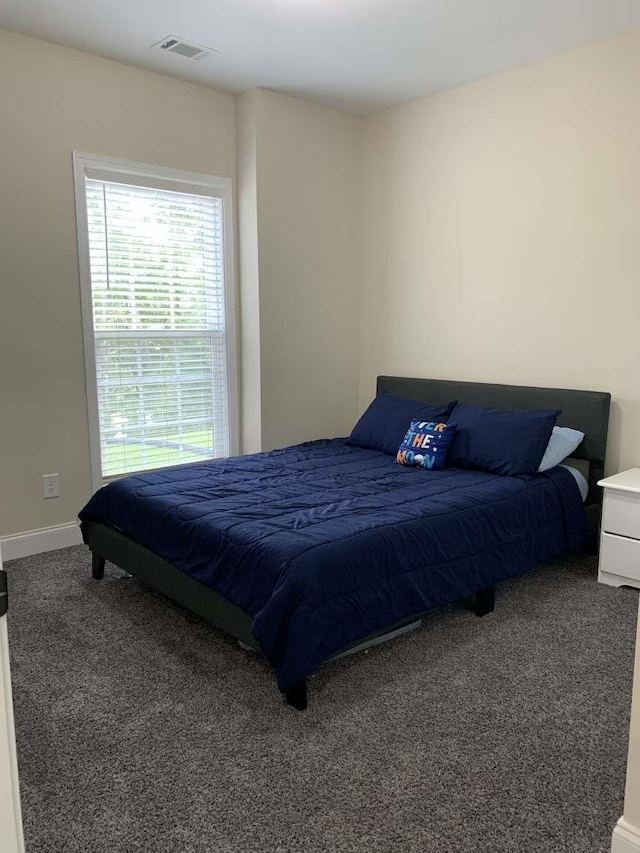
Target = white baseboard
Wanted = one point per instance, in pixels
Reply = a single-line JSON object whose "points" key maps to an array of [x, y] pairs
{"points": [[626, 838], [39, 541]]}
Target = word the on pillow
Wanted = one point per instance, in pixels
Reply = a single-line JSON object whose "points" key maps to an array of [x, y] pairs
{"points": [[426, 445]]}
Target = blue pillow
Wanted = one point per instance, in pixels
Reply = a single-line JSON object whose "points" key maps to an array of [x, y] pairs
{"points": [[385, 422], [562, 443], [426, 445], [499, 441]]}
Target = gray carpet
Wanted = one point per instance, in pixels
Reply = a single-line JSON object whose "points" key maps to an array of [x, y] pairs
{"points": [[139, 730]]}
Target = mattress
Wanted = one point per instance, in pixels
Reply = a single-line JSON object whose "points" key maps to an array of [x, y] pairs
{"points": [[323, 543]]}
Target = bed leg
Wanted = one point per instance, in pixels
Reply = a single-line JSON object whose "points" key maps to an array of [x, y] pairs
{"points": [[97, 565], [296, 695], [484, 601]]}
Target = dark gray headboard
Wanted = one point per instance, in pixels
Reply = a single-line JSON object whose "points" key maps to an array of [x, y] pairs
{"points": [[587, 411]]}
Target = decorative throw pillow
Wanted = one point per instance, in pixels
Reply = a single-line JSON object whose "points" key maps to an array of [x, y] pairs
{"points": [[385, 421], [501, 441], [426, 445]]}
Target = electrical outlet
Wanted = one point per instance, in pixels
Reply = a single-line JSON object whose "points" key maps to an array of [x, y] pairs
{"points": [[50, 486]]}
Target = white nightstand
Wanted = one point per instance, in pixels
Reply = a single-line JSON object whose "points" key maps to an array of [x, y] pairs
{"points": [[620, 532]]}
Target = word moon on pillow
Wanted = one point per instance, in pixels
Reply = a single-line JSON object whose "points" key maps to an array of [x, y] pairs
{"points": [[426, 445]]}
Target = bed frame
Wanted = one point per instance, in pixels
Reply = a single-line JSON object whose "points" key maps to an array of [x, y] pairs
{"points": [[587, 411]]}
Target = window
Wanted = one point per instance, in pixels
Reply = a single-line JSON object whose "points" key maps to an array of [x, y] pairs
{"points": [[157, 294]]}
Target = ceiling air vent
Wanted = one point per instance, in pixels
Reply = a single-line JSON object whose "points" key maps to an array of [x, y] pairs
{"points": [[188, 49]]}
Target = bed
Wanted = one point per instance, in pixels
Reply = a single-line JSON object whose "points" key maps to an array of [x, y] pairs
{"points": [[308, 553]]}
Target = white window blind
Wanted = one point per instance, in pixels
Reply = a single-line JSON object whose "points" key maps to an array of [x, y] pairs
{"points": [[159, 328]]}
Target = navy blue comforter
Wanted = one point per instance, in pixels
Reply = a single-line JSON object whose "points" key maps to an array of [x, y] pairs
{"points": [[323, 543]]}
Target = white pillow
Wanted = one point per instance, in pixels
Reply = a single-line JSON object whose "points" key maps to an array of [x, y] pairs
{"points": [[562, 443]]}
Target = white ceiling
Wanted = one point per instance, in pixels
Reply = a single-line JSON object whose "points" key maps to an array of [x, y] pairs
{"points": [[356, 55]]}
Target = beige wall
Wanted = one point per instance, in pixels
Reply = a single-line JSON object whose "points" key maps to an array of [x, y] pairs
{"points": [[501, 233], [54, 100], [298, 203], [247, 113], [500, 242], [305, 263]]}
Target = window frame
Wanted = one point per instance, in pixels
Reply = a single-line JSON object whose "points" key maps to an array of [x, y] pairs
{"points": [[159, 177]]}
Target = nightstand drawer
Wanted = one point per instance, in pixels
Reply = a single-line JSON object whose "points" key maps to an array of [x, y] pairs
{"points": [[621, 514], [620, 556]]}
